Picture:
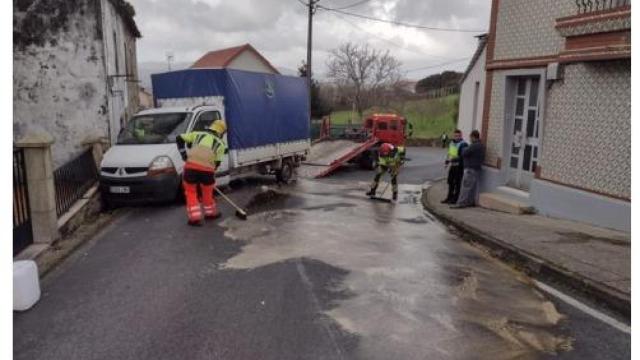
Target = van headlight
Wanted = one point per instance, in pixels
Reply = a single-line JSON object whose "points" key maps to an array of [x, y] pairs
{"points": [[161, 165]]}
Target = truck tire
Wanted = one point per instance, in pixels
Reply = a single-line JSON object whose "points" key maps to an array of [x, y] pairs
{"points": [[285, 173], [368, 160]]}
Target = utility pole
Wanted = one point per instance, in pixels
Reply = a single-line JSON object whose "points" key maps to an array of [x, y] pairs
{"points": [[169, 59], [312, 10]]}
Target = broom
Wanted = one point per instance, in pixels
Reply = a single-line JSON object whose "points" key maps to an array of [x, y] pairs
{"points": [[240, 214]]}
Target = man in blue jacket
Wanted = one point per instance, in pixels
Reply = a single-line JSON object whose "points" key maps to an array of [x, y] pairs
{"points": [[473, 157]]}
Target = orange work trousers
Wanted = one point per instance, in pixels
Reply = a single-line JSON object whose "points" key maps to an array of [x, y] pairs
{"points": [[197, 177]]}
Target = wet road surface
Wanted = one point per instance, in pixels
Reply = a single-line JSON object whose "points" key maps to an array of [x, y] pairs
{"points": [[317, 272]]}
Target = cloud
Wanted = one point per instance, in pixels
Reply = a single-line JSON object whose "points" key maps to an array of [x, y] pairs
{"points": [[278, 29]]}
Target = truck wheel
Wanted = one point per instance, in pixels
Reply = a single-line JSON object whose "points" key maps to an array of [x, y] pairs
{"points": [[285, 174], [368, 160]]}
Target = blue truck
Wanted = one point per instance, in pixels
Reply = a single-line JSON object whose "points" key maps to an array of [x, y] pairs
{"points": [[267, 117]]}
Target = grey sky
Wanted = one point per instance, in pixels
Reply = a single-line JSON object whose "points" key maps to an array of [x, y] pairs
{"points": [[277, 28]]}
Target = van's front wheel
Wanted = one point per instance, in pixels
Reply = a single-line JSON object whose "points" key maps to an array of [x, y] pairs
{"points": [[285, 173]]}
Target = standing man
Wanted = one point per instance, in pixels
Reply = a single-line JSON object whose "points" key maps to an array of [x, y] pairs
{"points": [[473, 157], [456, 170], [206, 153], [444, 138], [390, 158]]}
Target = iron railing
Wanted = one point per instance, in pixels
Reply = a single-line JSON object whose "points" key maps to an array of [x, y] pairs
{"points": [[73, 179], [22, 230], [587, 6]]}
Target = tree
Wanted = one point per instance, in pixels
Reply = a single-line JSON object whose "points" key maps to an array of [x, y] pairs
{"points": [[439, 81], [366, 73], [319, 106]]}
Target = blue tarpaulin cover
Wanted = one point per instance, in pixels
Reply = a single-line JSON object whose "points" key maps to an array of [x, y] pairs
{"points": [[260, 109]]}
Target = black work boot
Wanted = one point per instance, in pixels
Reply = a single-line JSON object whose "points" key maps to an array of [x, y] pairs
{"points": [[372, 192], [395, 196]]}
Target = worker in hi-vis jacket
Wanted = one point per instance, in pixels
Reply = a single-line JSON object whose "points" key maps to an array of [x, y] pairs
{"points": [[206, 152]]}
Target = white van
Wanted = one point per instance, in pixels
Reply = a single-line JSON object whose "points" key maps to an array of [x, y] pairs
{"points": [[145, 165]]}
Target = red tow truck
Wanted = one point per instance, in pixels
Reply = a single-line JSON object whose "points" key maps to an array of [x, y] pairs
{"points": [[341, 145]]}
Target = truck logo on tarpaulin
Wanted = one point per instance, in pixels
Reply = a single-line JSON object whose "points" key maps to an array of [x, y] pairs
{"points": [[269, 89]]}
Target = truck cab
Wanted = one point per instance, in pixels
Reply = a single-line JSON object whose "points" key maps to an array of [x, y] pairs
{"points": [[388, 128], [145, 165]]}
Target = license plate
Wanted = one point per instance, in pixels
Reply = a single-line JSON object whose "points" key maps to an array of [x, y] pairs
{"points": [[119, 189]]}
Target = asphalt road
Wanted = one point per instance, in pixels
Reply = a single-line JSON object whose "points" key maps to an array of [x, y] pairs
{"points": [[317, 272]]}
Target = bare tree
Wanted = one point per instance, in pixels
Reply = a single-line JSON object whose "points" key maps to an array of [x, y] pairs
{"points": [[364, 72]]}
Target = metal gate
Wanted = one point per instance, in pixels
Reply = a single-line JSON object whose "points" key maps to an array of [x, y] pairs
{"points": [[22, 231]]}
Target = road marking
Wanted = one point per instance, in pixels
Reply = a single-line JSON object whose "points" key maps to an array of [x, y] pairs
{"points": [[584, 308]]}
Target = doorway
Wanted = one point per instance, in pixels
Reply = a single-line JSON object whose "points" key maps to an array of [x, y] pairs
{"points": [[525, 143]]}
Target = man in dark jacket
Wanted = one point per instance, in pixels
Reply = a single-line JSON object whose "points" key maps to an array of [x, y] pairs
{"points": [[455, 164], [472, 157]]}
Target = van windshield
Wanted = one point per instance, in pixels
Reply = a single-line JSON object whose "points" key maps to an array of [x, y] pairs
{"points": [[154, 128]]}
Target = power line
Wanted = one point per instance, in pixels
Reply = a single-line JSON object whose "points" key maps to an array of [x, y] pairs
{"points": [[439, 65], [352, 5], [416, 26], [386, 40]]}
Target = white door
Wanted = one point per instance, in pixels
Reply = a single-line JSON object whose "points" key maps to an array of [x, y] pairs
{"points": [[525, 135]]}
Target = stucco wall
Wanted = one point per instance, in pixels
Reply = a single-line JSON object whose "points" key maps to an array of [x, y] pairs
{"points": [[526, 28], [466, 121], [249, 62], [122, 102], [587, 131], [59, 80]]}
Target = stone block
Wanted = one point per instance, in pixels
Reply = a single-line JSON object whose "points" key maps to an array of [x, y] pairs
{"points": [[499, 202]]}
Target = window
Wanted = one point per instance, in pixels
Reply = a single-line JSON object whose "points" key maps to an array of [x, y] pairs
{"points": [[382, 126], [154, 128], [115, 53], [394, 125], [369, 124], [205, 119]]}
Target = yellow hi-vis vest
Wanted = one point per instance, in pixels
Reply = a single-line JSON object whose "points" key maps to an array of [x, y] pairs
{"points": [[206, 148], [454, 150]]}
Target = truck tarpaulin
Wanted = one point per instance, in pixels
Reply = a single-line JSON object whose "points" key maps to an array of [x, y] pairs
{"points": [[260, 109]]}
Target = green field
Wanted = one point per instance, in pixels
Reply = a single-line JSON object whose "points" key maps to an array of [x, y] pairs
{"points": [[429, 117]]}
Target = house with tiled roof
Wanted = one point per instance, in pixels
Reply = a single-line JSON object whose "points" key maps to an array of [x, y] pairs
{"points": [[243, 57]]}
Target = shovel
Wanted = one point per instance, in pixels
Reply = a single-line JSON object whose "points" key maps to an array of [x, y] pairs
{"points": [[240, 214]]}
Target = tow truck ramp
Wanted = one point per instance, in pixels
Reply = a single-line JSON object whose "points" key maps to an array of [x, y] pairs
{"points": [[326, 156]]}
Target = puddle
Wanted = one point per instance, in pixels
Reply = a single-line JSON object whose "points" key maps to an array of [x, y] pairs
{"points": [[414, 293]]}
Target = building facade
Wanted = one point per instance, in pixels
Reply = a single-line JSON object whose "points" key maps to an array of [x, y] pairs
{"points": [[75, 71], [557, 107], [472, 91]]}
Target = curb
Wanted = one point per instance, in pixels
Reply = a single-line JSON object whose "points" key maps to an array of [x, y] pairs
{"points": [[535, 266]]}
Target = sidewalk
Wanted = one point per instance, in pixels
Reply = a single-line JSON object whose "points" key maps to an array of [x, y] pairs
{"points": [[593, 261]]}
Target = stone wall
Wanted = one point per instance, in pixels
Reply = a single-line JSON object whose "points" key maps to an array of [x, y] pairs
{"points": [[64, 67], [59, 81]]}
